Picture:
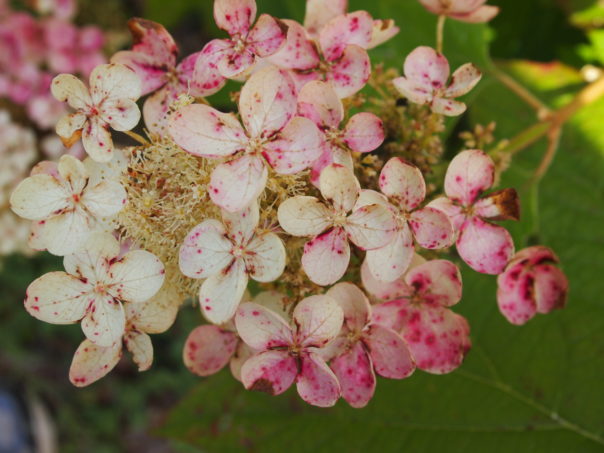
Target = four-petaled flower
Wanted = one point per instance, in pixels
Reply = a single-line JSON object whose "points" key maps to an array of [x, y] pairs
{"points": [[485, 247], [332, 224], [271, 134], [437, 337], [153, 58], [404, 186], [291, 352], [92, 289], [473, 11], [363, 347], [425, 81], [226, 255], [531, 283], [114, 88], [364, 132], [67, 207]]}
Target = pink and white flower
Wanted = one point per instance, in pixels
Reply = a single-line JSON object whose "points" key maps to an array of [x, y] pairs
{"points": [[67, 206], [427, 82], [110, 103], [226, 255], [153, 58], [363, 133], [290, 352], [404, 190], [473, 11], [233, 56], [531, 283], [333, 223], [92, 362], [364, 348], [437, 337], [271, 135], [484, 246], [93, 288]]}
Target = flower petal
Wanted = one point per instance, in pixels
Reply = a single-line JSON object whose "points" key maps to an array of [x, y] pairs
{"points": [[70, 89], [114, 81], [39, 197], [437, 281], [424, 66], [340, 187], [390, 262], [515, 294], [205, 251], [383, 30], [500, 205], [91, 362], [364, 132], [220, 294], [241, 355], [551, 287], [432, 228], [92, 262], [353, 303], [389, 352], [204, 131], [155, 315], [208, 349], [120, 114], [480, 15], [453, 211], [267, 102], [267, 36], [319, 12], [272, 372], [265, 257], [262, 328], [67, 233], [238, 183], [485, 247], [326, 257], [350, 72], [316, 383], [470, 173], [97, 140], [318, 102], [241, 225], [403, 182], [448, 107], [298, 52], [69, 128], [463, 80], [235, 16], [206, 78], [105, 199], [140, 346], [303, 216], [136, 277], [414, 91], [105, 321], [354, 371], [318, 319], [371, 227], [352, 28]]}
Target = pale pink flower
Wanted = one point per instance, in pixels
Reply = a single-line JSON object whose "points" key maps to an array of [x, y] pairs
{"points": [[93, 288], [473, 11], [484, 246], [68, 207], [271, 135], [364, 348], [437, 337], [333, 223], [110, 103], [531, 283], [363, 133], [91, 362], [226, 255], [233, 56], [289, 353], [153, 57], [404, 190], [426, 81], [379, 291]]}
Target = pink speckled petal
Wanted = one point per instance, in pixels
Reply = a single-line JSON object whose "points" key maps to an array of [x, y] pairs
{"points": [[114, 81], [241, 225], [267, 102], [235, 16], [156, 108], [389, 352], [105, 321], [470, 173], [262, 328], [319, 320], [515, 294], [207, 79], [91, 362], [196, 83], [463, 80], [485, 247], [437, 281], [368, 197], [448, 107], [267, 36], [234, 64], [403, 182], [425, 67], [319, 12], [272, 372], [220, 294], [453, 211], [326, 257], [265, 257], [318, 102], [304, 216], [316, 383], [551, 287], [415, 92], [432, 228], [364, 132], [298, 145], [390, 262], [204, 131], [97, 141], [238, 183], [299, 52], [371, 227], [352, 28], [382, 291], [151, 72], [350, 72], [353, 303], [331, 155], [136, 277], [340, 187], [205, 251], [354, 371], [152, 39], [120, 114], [392, 314]]}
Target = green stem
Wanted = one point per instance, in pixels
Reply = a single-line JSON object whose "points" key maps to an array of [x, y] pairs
{"points": [[440, 28]]}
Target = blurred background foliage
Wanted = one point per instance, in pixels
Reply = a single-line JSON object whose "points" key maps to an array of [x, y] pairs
{"points": [[537, 388]]}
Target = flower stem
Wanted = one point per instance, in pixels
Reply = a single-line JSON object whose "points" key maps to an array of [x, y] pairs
{"points": [[440, 28], [524, 94]]}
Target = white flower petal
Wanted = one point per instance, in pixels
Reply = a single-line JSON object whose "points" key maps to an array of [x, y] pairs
{"points": [[205, 251], [371, 227], [319, 320], [326, 257], [304, 216], [140, 346], [39, 197], [340, 187], [265, 257], [70, 89], [105, 322], [136, 277], [220, 294], [261, 328], [91, 362]]}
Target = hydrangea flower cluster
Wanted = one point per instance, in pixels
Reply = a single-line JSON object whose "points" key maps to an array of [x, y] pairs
{"points": [[350, 244]]}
